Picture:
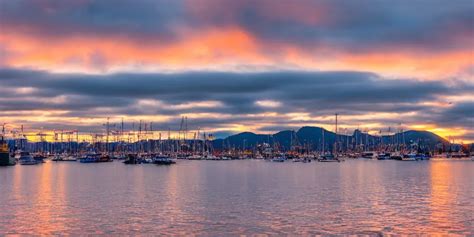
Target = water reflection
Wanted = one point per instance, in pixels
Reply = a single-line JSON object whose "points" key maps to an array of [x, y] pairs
{"points": [[239, 198], [444, 198]]}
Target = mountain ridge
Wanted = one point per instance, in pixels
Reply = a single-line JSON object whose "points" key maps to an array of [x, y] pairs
{"points": [[312, 138]]}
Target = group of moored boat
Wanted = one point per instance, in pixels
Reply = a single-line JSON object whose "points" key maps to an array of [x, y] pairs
{"points": [[133, 159], [331, 157], [25, 158], [411, 156]]}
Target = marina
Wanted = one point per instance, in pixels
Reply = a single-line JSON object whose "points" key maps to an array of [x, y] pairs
{"points": [[141, 146], [236, 118]]}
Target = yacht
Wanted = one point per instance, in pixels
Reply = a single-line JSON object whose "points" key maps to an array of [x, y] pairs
{"points": [[194, 157], [40, 158], [328, 158], [278, 158], [210, 157], [24, 158], [384, 156], [64, 157], [90, 158], [410, 157], [5, 158], [369, 155], [132, 159], [105, 158], [396, 155], [70, 158], [58, 157], [424, 156], [163, 160], [297, 159]]}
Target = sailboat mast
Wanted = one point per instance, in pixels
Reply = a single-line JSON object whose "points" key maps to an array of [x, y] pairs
{"points": [[107, 137], [322, 132], [335, 140]]}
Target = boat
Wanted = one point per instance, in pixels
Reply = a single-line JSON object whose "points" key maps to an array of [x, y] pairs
{"points": [[70, 158], [163, 160], [5, 158], [424, 157], [328, 158], [458, 155], [384, 156], [396, 156], [64, 157], [121, 157], [410, 157], [211, 157], [278, 158], [57, 157], [146, 158], [369, 155], [194, 157], [132, 159], [105, 158], [40, 158], [26, 159], [90, 158]]}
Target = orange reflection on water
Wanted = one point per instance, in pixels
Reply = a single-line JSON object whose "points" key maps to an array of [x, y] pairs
{"points": [[41, 207], [48, 201], [442, 200]]}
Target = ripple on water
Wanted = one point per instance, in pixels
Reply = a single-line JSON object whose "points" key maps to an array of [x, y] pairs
{"points": [[239, 198]]}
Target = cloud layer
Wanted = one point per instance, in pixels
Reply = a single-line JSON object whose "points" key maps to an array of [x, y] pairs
{"points": [[238, 65], [231, 101], [409, 38]]}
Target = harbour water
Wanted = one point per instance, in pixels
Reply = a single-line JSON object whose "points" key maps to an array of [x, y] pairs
{"points": [[239, 197]]}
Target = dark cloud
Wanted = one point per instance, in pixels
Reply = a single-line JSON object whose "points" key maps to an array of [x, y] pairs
{"points": [[350, 25], [345, 25], [460, 114], [119, 18], [236, 95], [240, 90]]}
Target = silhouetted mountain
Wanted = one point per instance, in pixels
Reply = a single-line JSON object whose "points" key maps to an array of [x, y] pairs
{"points": [[312, 138]]}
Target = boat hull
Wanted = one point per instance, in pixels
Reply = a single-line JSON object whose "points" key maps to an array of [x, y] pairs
{"points": [[6, 160], [335, 160]]}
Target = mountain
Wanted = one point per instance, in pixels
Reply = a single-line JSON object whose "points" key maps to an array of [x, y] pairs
{"points": [[312, 137]]}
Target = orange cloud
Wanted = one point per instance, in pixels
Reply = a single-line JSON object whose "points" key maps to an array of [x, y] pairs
{"points": [[231, 46], [229, 49], [388, 63]]}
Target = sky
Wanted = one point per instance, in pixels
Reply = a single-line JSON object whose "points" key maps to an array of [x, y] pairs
{"points": [[233, 66]]}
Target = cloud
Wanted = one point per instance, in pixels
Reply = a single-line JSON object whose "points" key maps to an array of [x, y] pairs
{"points": [[394, 40], [121, 18], [344, 25], [226, 101]]}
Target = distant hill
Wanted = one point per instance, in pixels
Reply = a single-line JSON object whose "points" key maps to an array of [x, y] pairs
{"points": [[312, 137]]}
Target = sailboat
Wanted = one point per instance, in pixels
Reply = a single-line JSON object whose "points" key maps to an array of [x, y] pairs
{"points": [[330, 157]]}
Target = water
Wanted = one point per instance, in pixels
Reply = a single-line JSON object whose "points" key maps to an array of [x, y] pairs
{"points": [[239, 197]]}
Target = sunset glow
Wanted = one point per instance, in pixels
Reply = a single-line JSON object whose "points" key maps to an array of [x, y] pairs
{"points": [[224, 66]]}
